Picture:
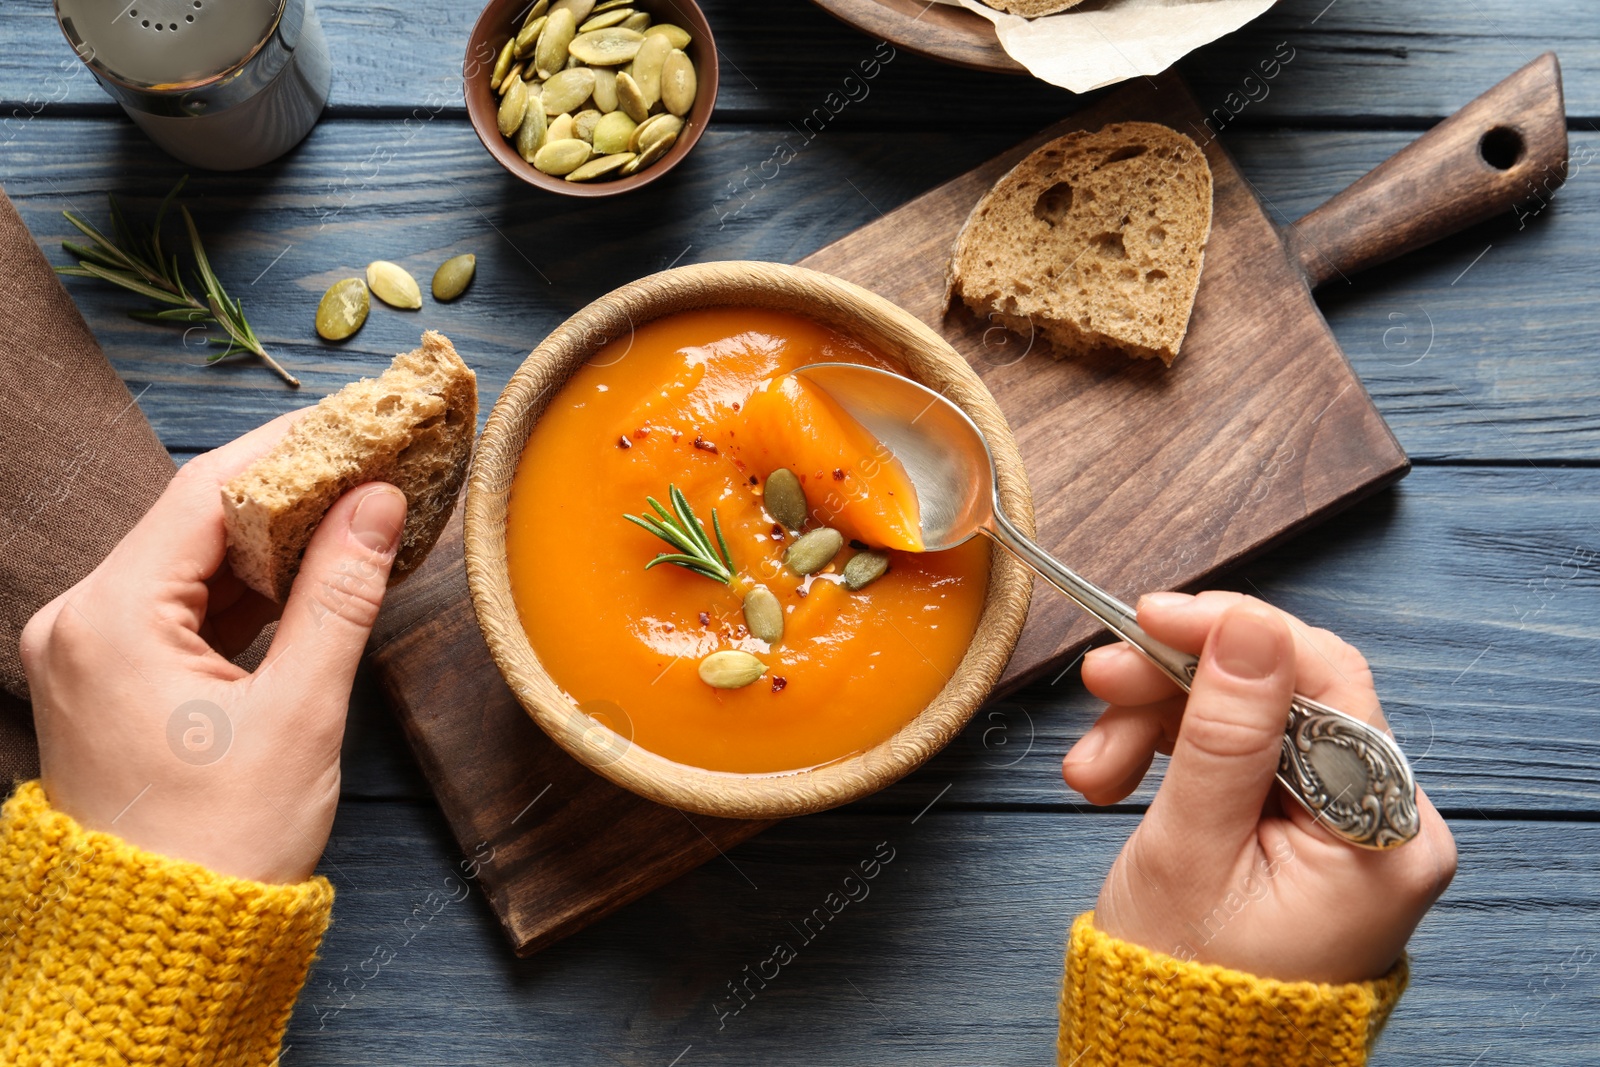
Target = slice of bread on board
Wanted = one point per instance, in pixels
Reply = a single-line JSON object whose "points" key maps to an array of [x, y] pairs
{"points": [[1094, 240], [1031, 8], [411, 426]]}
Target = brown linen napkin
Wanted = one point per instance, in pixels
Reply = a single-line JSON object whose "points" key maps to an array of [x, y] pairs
{"points": [[78, 463]]}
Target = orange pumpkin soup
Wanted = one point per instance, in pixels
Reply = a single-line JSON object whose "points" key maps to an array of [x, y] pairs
{"points": [[702, 401]]}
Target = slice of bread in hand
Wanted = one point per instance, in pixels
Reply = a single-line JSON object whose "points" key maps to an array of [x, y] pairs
{"points": [[1031, 8], [1094, 240], [411, 426]]}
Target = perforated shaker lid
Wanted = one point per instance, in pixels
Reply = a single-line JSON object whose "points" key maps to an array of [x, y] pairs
{"points": [[167, 44]]}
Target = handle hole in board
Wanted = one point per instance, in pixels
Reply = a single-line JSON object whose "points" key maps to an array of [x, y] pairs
{"points": [[1501, 147]]}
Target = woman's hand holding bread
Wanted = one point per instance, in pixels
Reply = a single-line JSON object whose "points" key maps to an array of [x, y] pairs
{"points": [[146, 728], [1219, 871], [148, 731]]}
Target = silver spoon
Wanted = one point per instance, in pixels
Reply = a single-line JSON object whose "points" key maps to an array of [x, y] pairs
{"points": [[1351, 776]]}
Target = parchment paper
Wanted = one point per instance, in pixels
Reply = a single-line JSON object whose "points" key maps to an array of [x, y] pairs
{"points": [[1102, 42]]}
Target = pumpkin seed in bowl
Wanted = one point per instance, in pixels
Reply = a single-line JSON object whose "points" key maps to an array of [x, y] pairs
{"points": [[597, 76]]}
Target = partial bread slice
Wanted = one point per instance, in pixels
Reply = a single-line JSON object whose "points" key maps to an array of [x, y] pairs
{"points": [[411, 426], [1094, 240], [1029, 9]]}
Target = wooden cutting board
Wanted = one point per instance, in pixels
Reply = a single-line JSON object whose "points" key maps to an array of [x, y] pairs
{"points": [[1143, 477]]}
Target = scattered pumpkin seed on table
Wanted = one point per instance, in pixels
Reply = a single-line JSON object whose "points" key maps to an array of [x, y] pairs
{"points": [[730, 669], [394, 285], [453, 276], [603, 75], [343, 309]]}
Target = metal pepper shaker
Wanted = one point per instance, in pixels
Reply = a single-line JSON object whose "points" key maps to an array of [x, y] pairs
{"points": [[220, 84]]}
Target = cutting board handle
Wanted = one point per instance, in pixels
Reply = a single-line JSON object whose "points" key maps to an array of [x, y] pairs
{"points": [[1505, 151]]}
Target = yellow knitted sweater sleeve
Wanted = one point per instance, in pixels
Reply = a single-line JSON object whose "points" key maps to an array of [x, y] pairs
{"points": [[1127, 1006], [109, 954]]}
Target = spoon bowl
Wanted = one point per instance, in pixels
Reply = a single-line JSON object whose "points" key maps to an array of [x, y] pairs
{"points": [[942, 450], [1349, 774]]}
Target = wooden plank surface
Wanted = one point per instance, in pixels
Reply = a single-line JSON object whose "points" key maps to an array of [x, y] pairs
{"points": [[1469, 358], [1428, 57], [953, 957]]}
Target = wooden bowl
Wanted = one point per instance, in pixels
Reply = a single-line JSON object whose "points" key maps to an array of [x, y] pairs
{"points": [[499, 22], [833, 302]]}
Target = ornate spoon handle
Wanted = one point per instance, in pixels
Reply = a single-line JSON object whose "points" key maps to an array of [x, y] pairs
{"points": [[1351, 776]]}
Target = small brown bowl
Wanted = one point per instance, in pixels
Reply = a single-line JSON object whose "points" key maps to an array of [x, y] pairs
{"points": [[822, 298], [499, 22]]}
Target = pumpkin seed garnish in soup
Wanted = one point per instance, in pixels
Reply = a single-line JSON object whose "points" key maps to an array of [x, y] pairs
{"points": [[453, 276], [394, 285], [574, 59], [813, 551], [730, 669], [864, 568], [763, 614], [785, 498], [343, 309]]}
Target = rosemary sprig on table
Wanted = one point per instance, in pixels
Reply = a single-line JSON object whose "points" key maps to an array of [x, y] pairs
{"points": [[684, 532], [134, 259]]}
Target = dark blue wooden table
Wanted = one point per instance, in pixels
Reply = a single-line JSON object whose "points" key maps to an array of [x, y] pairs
{"points": [[1472, 587]]}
